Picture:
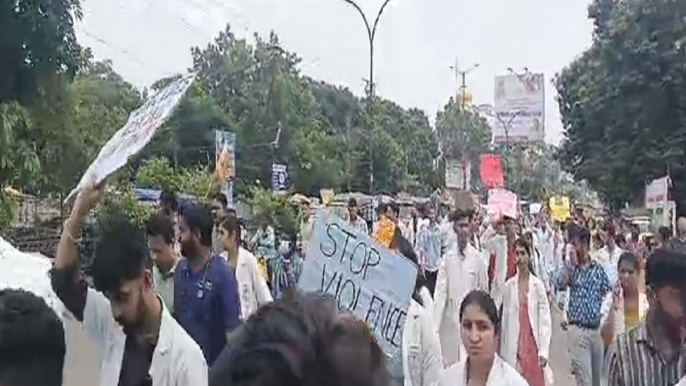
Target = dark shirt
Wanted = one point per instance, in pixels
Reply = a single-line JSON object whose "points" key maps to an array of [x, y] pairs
{"points": [[135, 365], [206, 304]]}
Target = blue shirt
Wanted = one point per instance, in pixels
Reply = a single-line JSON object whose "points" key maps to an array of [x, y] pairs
{"points": [[206, 304], [587, 289], [429, 241]]}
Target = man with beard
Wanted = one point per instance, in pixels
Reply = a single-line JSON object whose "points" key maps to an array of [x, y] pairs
{"points": [[32, 343], [206, 299], [460, 271], [649, 354], [219, 212], [148, 346]]}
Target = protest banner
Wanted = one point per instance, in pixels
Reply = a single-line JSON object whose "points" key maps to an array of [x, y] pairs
{"points": [[503, 202], [225, 161], [490, 171], [371, 282], [136, 133]]}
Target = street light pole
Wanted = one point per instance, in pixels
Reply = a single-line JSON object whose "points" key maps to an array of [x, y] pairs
{"points": [[369, 89], [462, 75]]}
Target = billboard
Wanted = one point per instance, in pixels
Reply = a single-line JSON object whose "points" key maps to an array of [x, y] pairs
{"points": [[519, 106]]}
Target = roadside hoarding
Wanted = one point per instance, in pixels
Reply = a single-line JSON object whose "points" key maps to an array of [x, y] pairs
{"points": [[519, 106]]}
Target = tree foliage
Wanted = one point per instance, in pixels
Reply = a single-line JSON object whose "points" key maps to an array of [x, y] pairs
{"points": [[623, 101]]}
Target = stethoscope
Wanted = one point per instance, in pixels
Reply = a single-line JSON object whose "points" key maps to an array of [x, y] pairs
{"points": [[204, 284]]}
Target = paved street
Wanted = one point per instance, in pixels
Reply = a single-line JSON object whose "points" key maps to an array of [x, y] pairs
{"points": [[87, 358]]}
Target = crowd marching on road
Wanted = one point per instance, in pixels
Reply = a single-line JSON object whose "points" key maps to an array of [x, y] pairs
{"points": [[498, 300]]}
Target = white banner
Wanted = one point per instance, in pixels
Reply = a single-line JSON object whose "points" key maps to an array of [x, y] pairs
{"points": [[657, 193], [136, 133], [519, 105], [366, 279], [454, 175]]}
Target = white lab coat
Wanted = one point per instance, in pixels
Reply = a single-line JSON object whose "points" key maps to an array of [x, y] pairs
{"points": [[176, 361], [501, 374], [544, 245], [421, 349], [539, 317], [497, 244], [606, 309], [252, 288], [458, 274]]}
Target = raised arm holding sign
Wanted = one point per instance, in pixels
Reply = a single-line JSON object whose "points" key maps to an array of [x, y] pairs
{"points": [[136, 133]]}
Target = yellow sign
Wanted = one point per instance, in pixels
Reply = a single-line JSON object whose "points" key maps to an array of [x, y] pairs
{"points": [[559, 208]]}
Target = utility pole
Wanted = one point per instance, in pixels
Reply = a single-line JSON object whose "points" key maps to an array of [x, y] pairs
{"points": [[461, 76], [369, 89]]}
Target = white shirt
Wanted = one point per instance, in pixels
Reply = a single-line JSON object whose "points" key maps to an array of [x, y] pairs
{"points": [[501, 374], [608, 261], [252, 288], [176, 361], [422, 361], [458, 274], [538, 310]]}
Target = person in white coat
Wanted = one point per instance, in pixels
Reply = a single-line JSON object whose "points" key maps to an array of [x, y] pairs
{"points": [[527, 323], [253, 291], [626, 306], [421, 350], [461, 270], [479, 326]]}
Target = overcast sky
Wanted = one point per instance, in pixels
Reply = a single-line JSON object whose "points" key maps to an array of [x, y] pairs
{"points": [[417, 41]]}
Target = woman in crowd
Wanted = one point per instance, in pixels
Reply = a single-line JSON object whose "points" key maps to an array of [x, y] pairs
{"points": [[421, 359], [479, 329], [252, 288], [527, 324], [287, 267], [624, 307]]}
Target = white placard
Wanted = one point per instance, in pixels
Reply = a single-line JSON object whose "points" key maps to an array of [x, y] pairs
{"points": [[366, 279], [136, 133]]}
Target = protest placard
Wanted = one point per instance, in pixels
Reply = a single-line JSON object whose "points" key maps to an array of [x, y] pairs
{"points": [[371, 282], [503, 202], [136, 133]]}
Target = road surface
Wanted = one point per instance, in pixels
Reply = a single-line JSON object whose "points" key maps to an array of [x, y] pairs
{"points": [[87, 358]]}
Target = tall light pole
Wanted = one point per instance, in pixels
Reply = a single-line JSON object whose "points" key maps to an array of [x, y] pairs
{"points": [[461, 75], [369, 89]]}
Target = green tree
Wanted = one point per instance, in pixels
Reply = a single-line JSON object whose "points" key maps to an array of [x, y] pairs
{"points": [[37, 43], [18, 158], [462, 131], [622, 103]]}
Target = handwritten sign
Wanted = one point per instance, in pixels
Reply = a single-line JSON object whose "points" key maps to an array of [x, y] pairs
{"points": [[136, 133], [366, 279], [503, 202]]}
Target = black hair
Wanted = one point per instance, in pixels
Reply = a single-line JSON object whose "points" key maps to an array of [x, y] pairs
{"points": [[629, 258], [221, 198], [32, 343], [121, 254], [300, 340], [459, 214], [485, 302], [168, 199], [352, 202], [665, 268], [231, 212], [162, 226], [233, 226], [525, 242], [404, 247], [620, 239], [198, 218], [665, 233], [582, 234]]}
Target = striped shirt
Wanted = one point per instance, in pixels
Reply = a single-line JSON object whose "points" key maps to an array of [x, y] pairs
{"points": [[637, 358]]}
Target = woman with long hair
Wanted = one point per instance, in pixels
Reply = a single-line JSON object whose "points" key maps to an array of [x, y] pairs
{"points": [[479, 327], [421, 349], [527, 323]]}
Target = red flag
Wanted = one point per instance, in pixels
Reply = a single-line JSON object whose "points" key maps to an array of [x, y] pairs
{"points": [[490, 171]]}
